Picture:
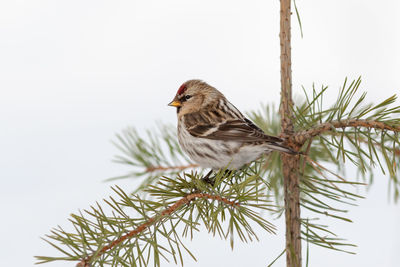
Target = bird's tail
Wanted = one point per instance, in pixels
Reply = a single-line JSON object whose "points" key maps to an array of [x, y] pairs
{"points": [[282, 148]]}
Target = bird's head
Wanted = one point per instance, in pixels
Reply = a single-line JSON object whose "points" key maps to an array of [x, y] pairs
{"points": [[194, 95]]}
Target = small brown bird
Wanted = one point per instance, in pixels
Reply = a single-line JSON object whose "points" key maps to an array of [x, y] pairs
{"points": [[214, 133]]}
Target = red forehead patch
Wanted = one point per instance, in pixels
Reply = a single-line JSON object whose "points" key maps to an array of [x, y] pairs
{"points": [[181, 89]]}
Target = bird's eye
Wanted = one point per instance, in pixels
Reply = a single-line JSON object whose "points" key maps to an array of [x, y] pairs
{"points": [[187, 97]]}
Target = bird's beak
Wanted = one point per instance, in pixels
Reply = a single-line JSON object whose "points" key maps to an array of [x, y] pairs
{"points": [[175, 103]]}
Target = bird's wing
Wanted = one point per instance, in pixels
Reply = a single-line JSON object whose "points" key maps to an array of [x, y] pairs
{"points": [[232, 130]]}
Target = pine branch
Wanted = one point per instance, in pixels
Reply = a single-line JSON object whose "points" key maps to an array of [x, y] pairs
{"points": [[302, 136], [350, 129], [226, 208], [161, 168], [183, 201]]}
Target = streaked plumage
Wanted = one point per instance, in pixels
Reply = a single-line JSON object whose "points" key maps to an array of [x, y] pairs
{"points": [[214, 133]]}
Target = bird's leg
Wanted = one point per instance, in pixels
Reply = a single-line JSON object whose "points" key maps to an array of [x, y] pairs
{"points": [[207, 178], [211, 180], [228, 172]]}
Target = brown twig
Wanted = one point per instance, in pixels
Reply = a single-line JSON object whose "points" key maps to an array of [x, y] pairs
{"points": [[302, 136], [161, 168], [168, 211], [291, 177]]}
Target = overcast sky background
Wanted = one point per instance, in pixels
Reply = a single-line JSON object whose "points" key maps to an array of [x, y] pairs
{"points": [[74, 73]]}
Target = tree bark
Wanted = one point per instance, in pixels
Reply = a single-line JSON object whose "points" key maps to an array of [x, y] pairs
{"points": [[290, 163]]}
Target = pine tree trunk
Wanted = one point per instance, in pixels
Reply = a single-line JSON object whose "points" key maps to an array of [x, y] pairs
{"points": [[290, 163]]}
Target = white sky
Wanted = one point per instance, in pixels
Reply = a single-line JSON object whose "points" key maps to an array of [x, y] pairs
{"points": [[74, 73]]}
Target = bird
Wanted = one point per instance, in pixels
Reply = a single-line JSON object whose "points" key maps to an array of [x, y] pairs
{"points": [[214, 133]]}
